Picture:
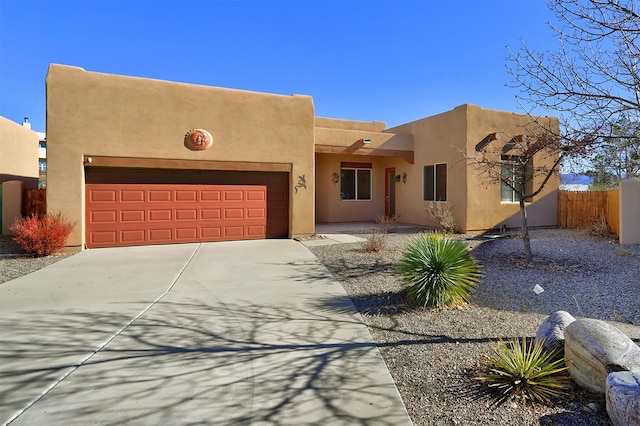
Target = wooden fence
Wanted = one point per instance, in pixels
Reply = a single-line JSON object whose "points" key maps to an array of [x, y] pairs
{"points": [[34, 201], [583, 208]]}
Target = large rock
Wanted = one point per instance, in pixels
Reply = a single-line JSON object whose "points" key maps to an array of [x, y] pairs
{"points": [[551, 331], [593, 349], [623, 398]]}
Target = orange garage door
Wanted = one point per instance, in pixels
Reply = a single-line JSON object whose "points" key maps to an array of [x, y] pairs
{"points": [[120, 215]]}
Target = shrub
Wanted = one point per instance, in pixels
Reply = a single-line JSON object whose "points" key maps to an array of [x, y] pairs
{"points": [[439, 270], [387, 223], [442, 212], [42, 235], [374, 242], [527, 370]]}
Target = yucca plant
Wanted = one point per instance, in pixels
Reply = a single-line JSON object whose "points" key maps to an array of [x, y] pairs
{"points": [[438, 270], [525, 369]]}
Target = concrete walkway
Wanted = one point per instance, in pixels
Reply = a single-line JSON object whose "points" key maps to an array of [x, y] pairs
{"points": [[248, 332]]}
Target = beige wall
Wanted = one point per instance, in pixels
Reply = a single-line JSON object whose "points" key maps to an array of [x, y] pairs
{"points": [[344, 138], [18, 153], [106, 115], [630, 211], [485, 209], [450, 138]]}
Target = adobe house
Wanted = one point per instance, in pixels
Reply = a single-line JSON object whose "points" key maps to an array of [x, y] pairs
{"points": [[139, 161], [18, 168]]}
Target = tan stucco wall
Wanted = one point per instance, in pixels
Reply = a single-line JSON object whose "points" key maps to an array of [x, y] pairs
{"points": [[485, 210], [437, 139], [99, 114], [450, 137], [346, 135], [18, 153], [630, 211]]}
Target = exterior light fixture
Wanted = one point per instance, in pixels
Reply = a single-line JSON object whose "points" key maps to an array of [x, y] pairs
{"points": [[366, 141]]}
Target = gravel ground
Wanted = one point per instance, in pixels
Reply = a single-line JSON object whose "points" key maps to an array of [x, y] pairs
{"points": [[432, 354], [14, 263]]}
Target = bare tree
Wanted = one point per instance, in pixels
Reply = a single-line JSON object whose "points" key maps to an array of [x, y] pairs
{"points": [[589, 83], [517, 162], [592, 79]]}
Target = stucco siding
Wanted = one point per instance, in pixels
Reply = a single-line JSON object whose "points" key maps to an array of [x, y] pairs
{"points": [[106, 115], [485, 209], [18, 153], [439, 139]]}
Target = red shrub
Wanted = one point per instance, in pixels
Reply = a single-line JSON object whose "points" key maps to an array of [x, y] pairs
{"points": [[42, 235]]}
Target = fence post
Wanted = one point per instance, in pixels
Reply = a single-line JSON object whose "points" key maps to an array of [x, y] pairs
{"points": [[630, 211]]}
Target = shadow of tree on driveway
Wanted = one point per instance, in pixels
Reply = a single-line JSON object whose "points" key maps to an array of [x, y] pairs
{"points": [[190, 362]]}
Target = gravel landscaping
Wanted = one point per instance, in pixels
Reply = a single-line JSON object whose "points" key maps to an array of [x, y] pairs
{"points": [[432, 354]]}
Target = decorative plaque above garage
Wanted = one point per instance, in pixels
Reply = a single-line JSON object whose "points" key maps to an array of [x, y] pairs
{"points": [[198, 139]]}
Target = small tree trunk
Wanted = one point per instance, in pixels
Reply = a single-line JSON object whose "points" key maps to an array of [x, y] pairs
{"points": [[525, 231]]}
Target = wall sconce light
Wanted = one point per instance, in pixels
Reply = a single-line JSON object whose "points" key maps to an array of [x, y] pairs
{"points": [[404, 177], [366, 141], [397, 178], [335, 177], [88, 160]]}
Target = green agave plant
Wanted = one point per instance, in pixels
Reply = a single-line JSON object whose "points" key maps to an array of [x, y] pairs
{"points": [[438, 270], [519, 368]]}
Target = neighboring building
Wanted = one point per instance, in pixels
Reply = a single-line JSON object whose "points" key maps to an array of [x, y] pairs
{"points": [[138, 161], [18, 153], [42, 161], [18, 168]]}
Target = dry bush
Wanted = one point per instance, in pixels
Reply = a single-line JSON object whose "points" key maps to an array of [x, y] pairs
{"points": [[387, 223], [600, 229], [442, 212], [374, 242]]}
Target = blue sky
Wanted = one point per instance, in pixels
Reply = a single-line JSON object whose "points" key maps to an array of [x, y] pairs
{"points": [[393, 61]]}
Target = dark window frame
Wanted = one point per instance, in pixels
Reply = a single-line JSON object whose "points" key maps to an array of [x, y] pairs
{"points": [[435, 182]]}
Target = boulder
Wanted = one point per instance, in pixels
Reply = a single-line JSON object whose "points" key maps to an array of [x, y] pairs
{"points": [[623, 398], [551, 331], [593, 349]]}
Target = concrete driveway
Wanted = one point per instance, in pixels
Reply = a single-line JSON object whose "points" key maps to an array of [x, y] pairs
{"points": [[248, 332]]}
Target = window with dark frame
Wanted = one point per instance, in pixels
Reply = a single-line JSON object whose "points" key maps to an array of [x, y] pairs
{"points": [[435, 182], [355, 181], [514, 173]]}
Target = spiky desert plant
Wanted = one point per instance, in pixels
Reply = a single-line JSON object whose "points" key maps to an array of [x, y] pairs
{"points": [[525, 369], [438, 270]]}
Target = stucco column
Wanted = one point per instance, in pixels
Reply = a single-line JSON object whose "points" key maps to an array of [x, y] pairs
{"points": [[630, 211], [11, 204]]}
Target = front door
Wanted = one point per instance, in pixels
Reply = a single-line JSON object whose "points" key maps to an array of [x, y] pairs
{"points": [[390, 192]]}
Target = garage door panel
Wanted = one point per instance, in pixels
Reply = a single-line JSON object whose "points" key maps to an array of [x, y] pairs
{"points": [[191, 214], [135, 196], [108, 196], [255, 213], [210, 233], [210, 195], [158, 196], [132, 216], [210, 214], [159, 215], [186, 196], [134, 236], [166, 214], [186, 234], [102, 216], [108, 238], [231, 195]]}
